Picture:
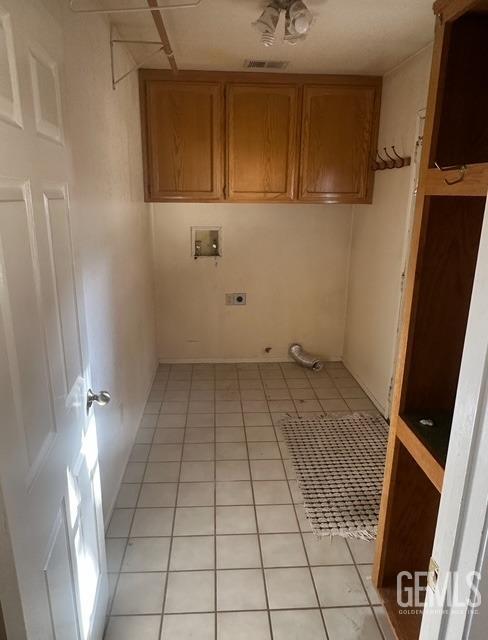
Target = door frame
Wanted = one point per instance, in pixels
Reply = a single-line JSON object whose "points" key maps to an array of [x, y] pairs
{"points": [[412, 198], [462, 527]]}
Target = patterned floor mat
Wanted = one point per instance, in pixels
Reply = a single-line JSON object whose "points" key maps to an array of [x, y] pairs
{"points": [[339, 461]]}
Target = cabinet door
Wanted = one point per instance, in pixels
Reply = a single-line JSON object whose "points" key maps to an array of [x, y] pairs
{"points": [[183, 140], [339, 131], [261, 141]]}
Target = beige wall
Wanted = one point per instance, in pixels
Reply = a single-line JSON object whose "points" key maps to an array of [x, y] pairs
{"points": [[112, 235], [291, 260], [379, 234]]}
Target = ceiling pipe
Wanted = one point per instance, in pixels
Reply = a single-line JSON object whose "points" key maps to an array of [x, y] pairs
{"points": [[159, 22]]}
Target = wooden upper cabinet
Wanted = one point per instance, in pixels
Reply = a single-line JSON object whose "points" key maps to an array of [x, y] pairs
{"points": [[251, 137], [261, 141], [182, 130], [339, 129]]}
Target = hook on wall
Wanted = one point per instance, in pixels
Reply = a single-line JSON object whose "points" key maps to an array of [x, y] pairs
{"points": [[390, 162], [399, 161], [380, 163]]}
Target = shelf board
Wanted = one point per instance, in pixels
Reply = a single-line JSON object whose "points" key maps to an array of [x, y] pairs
{"points": [[429, 464], [474, 183], [436, 438]]}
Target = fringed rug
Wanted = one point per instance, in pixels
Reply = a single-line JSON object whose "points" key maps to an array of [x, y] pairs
{"points": [[339, 461]]}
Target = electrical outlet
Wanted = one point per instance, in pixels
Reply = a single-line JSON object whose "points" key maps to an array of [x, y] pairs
{"points": [[235, 299]]}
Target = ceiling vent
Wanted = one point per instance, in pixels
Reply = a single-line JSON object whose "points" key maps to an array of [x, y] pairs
{"points": [[266, 64]]}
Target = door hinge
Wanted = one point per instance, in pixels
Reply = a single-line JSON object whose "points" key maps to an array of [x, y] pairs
{"points": [[433, 574]]}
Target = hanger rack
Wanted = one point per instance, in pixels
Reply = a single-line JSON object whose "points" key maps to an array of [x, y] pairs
{"points": [[156, 10], [114, 41], [157, 7], [395, 161]]}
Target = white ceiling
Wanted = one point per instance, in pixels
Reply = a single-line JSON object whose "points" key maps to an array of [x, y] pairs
{"points": [[347, 36]]}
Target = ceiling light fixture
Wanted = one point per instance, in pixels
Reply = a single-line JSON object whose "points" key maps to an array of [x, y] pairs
{"points": [[267, 23], [298, 20]]}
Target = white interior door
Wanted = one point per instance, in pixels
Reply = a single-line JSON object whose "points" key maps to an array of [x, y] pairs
{"points": [[48, 447]]}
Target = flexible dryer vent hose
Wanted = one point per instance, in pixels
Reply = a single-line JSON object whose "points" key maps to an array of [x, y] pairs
{"points": [[305, 359]]}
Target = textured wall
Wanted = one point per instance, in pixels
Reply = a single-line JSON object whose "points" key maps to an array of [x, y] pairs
{"points": [[379, 237], [113, 236], [291, 260]]}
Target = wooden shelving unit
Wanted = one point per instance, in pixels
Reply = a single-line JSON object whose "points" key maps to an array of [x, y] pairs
{"points": [[449, 213], [423, 456]]}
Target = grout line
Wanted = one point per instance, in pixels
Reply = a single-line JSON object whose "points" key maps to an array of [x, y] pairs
{"points": [[263, 575], [293, 566], [127, 538], [270, 533], [301, 537], [364, 589], [185, 613], [109, 609], [166, 577], [215, 514], [257, 380]]}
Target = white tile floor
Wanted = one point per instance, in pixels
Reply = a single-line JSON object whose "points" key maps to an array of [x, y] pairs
{"points": [[208, 540]]}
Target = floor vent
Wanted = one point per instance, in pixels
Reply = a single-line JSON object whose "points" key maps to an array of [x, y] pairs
{"points": [[265, 64]]}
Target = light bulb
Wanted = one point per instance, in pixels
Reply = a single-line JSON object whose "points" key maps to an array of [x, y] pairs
{"points": [[267, 23], [298, 21], [302, 23]]}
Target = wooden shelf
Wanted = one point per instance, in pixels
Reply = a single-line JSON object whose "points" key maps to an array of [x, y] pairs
{"points": [[474, 182], [407, 523], [420, 453], [435, 438]]}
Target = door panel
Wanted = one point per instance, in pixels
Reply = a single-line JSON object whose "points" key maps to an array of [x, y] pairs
{"points": [[9, 83], [60, 583], [261, 141], [60, 249], [46, 94], [86, 526], [48, 446], [337, 143], [21, 313], [184, 140]]}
